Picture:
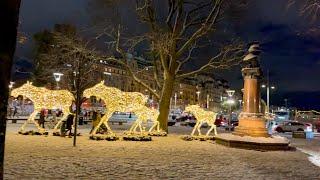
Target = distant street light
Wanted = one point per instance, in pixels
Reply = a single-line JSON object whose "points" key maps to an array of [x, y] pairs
{"points": [[208, 101], [240, 103], [198, 97], [11, 85], [175, 100], [57, 77], [286, 103], [267, 86], [230, 101]]}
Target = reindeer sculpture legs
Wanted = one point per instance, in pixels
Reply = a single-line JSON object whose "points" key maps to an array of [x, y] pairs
{"points": [[212, 127], [66, 112], [135, 125], [199, 128], [104, 120], [196, 127], [155, 125], [31, 119]]}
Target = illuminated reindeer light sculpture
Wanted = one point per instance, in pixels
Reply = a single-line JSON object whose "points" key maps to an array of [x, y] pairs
{"points": [[144, 114], [44, 98], [202, 116], [116, 100]]}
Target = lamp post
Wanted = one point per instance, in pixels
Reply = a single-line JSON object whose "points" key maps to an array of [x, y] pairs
{"points": [[286, 103], [181, 100], [11, 85], [175, 100], [198, 97], [240, 103], [267, 86], [208, 99], [230, 102], [57, 77]]}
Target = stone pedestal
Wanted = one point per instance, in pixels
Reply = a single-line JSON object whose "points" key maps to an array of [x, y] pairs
{"points": [[251, 120]]}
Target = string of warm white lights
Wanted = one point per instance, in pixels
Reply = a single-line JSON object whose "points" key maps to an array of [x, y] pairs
{"points": [[202, 117], [144, 114], [43, 98], [117, 100]]}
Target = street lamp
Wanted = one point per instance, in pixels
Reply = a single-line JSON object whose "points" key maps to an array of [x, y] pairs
{"points": [[11, 85], [175, 100], [230, 102], [57, 77], [208, 101], [240, 103], [268, 87], [198, 97]]}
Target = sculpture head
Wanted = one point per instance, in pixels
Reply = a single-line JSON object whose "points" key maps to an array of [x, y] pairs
{"points": [[25, 90], [102, 91]]}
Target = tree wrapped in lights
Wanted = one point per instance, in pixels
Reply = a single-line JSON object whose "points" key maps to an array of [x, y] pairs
{"points": [[202, 117], [43, 98], [117, 100]]}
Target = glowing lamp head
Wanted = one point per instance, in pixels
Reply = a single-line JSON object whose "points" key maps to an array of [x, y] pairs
{"points": [[57, 76], [230, 92], [230, 101]]}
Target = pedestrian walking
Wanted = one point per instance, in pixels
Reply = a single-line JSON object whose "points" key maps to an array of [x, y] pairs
{"points": [[69, 124], [42, 118], [15, 110]]}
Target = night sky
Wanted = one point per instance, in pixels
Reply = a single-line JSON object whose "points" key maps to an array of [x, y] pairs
{"points": [[290, 42]]}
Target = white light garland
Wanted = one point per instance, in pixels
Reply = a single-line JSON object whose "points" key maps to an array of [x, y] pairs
{"points": [[202, 117], [43, 98], [117, 100]]}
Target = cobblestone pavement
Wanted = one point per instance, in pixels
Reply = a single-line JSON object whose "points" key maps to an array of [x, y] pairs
{"points": [[40, 157]]}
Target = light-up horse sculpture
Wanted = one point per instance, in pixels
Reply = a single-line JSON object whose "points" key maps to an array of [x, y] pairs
{"points": [[117, 100], [43, 98], [202, 117]]}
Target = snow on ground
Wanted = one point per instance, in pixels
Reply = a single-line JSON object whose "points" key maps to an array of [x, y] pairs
{"points": [[311, 148], [39, 157], [314, 157]]}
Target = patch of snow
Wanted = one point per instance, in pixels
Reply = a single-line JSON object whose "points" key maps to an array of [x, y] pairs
{"points": [[272, 139], [314, 157]]}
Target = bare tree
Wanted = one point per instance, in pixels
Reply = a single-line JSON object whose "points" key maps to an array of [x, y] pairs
{"points": [[9, 15], [176, 30], [73, 57], [308, 8]]}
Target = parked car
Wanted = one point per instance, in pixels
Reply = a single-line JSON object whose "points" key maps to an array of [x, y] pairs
{"points": [[172, 119], [221, 122], [292, 126]]}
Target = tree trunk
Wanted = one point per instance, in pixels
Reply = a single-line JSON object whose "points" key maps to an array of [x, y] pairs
{"points": [[164, 104], [9, 14], [78, 104]]}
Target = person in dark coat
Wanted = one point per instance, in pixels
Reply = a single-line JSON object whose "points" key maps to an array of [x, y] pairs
{"points": [[69, 124], [42, 118]]}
